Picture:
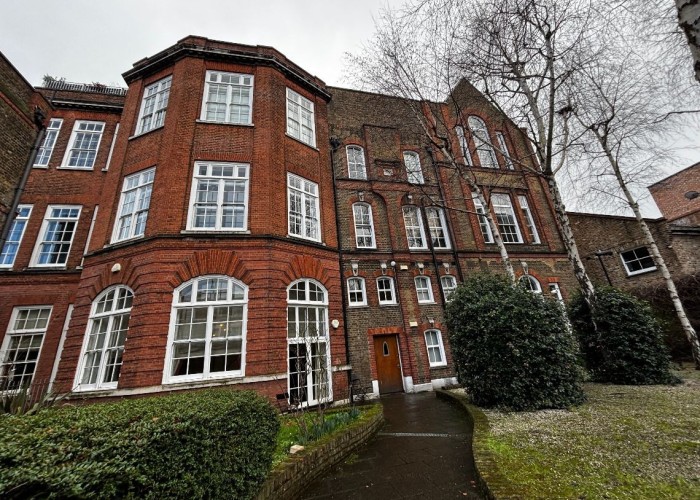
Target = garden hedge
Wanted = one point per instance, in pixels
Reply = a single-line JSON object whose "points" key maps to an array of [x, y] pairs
{"points": [[207, 444], [512, 348]]}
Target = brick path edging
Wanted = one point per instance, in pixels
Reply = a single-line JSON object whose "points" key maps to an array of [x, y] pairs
{"points": [[291, 477], [492, 484]]}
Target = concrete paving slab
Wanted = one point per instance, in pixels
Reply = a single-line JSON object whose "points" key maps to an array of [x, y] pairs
{"points": [[423, 451]]}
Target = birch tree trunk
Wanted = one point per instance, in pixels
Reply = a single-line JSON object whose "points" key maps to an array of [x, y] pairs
{"points": [[689, 22]]}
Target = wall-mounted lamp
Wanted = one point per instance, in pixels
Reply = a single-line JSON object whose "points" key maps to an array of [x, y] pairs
{"points": [[355, 267], [382, 264], [392, 263], [446, 265], [420, 266]]}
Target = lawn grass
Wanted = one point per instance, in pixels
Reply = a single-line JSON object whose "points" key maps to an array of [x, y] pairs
{"points": [[624, 442]]}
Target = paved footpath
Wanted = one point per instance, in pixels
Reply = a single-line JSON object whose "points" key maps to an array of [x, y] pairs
{"points": [[423, 451]]}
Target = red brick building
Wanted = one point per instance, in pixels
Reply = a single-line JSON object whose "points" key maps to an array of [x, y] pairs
{"points": [[229, 219]]}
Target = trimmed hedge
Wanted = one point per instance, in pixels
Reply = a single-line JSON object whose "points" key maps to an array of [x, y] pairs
{"points": [[628, 348], [214, 444], [512, 348]]}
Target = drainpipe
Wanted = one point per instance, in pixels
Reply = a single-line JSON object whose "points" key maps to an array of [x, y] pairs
{"points": [[39, 122], [335, 144]]}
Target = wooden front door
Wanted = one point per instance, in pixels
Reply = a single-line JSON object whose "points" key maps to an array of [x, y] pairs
{"points": [[386, 352]]}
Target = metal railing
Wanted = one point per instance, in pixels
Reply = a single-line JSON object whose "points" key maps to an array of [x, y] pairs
{"points": [[83, 87]]}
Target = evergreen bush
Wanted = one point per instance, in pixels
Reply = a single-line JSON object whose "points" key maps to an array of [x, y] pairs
{"points": [[208, 444], [628, 347], [512, 348]]}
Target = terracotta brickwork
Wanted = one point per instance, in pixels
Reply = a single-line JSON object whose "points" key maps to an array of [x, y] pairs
{"points": [[675, 199]]}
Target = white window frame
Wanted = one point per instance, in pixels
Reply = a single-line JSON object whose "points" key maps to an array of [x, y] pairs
{"points": [[41, 240], [357, 294], [555, 290], [531, 284], [486, 232], [14, 236], [154, 105], [240, 173], [306, 194], [12, 332], [438, 231], [244, 81], [43, 155], [318, 375], [482, 141], [529, 219], [506, 218], [504, 150], [232, 286], [414, 171], [464, 145], [448, 289], [136, 192], [637, 258], [67, 158], [413, 231], [438, 348], [424, 286], [301, 118], [357, 167], [363, 225], [115, 303], [391, 289]]}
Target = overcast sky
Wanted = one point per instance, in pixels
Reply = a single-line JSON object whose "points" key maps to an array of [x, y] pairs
{"points": [[98, 40]]}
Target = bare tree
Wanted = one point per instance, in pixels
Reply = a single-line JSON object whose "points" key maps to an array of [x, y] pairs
{"points": [[625, 113], [689, 22]]}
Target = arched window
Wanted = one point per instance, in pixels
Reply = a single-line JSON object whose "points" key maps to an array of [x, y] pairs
{"points": [[436, 351], [531, 284], [103, 346], [356, 162], [448, 283], [207, 330], [424, 289], [364, 225], [413, 168], [308, 344], [484, 150]]}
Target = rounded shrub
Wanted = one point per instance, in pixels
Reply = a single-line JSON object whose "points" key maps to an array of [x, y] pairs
{"points": [[208, 444], [628, 346], [512, 348]]}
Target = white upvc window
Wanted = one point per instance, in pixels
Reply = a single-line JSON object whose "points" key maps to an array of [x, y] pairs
{"points": [[300, 118], [531, 284], [483, 222], [505, 216], [22, 346], [529, 219], [436, 351], [356, 292], [44, 153], [356, 162], [56, 236], [464, 146], [504, 150], [228, 98], [415, 234], [364, 225], [424, 290], [637, 261], [449, 284], [437, 227], [14, 236], [83, 145], [555, 290], [133, 205], [103, 345], [414, 172], [484, 150], [219, 197], [303, 212], [154, 105], [309, 362], [207, 330], [385, 291]]}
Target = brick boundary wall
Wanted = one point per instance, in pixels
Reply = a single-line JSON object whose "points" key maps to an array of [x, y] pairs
{"points": [[289, 480], [491, 483]]}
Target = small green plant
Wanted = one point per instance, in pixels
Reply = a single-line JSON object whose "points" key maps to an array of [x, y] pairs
{"points": [[628, 346], [512, 348], [25, 399]]}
